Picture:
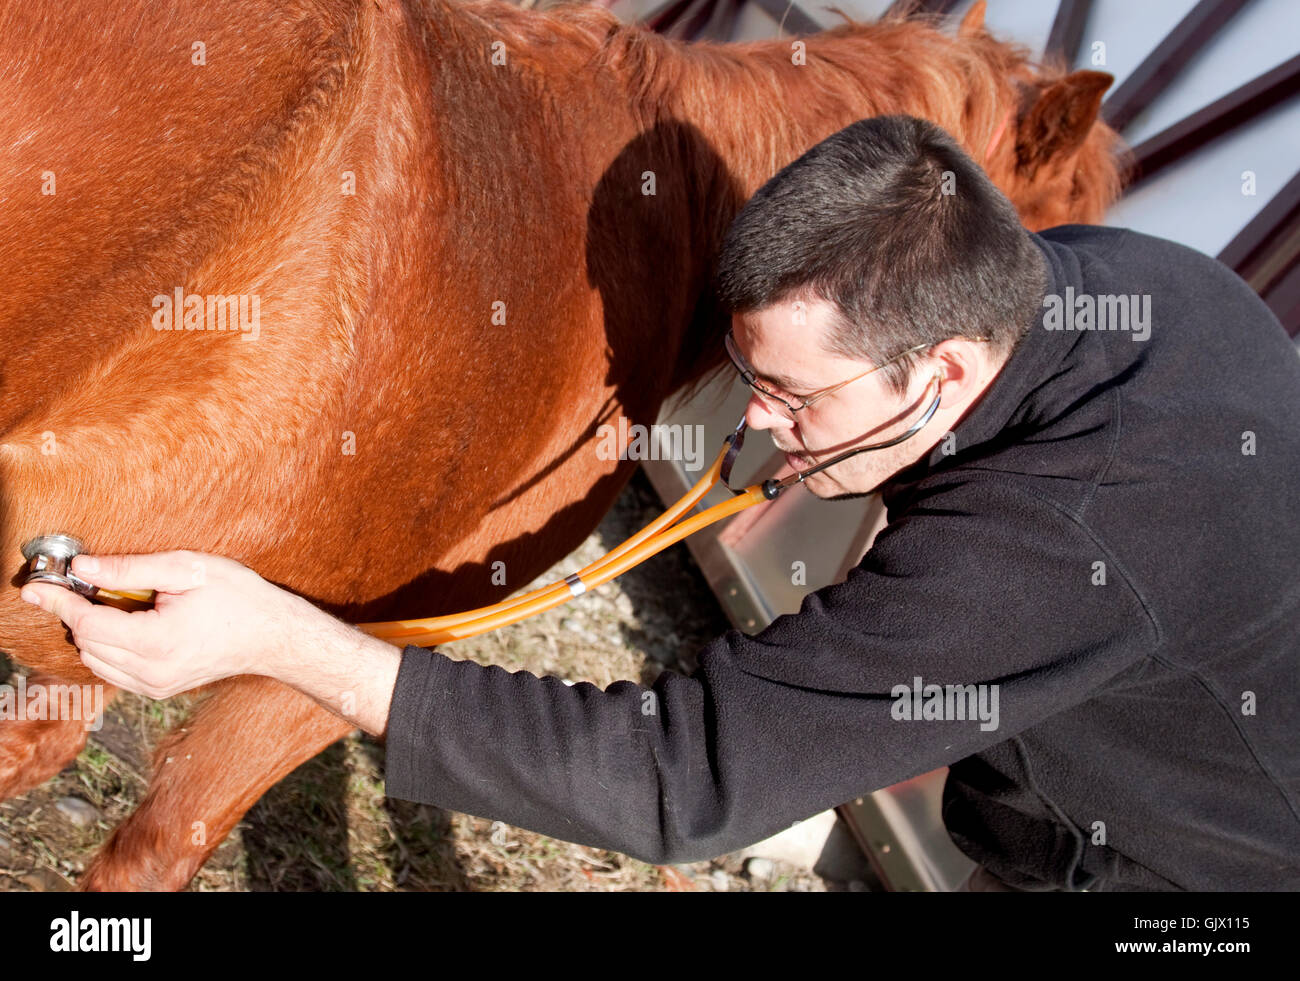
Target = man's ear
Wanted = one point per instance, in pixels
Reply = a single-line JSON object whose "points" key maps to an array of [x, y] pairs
{"points": [[1059, 120], [958, 366]]}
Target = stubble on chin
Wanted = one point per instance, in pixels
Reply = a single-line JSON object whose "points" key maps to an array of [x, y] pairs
{"points": [[828, 490]]}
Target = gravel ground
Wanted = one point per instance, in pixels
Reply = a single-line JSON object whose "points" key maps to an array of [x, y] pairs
{"points": [[328, 825]]}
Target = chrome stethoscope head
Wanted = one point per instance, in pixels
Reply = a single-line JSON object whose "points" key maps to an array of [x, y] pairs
{"points": [[49, 559], [772, 487]]}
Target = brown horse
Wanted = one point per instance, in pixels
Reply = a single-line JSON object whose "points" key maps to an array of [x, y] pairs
{"points": [[464, 236]]}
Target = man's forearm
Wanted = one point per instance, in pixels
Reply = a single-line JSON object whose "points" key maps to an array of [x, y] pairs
{"points": [[346, 671]]}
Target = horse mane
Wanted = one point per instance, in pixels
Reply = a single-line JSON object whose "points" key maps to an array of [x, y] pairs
{"points": [[966, 81]]}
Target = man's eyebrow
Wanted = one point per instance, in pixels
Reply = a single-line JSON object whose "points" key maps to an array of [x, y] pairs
{"points": [[784, 381]]}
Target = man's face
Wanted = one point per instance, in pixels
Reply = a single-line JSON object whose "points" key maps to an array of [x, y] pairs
{"points": [[785, 344]]}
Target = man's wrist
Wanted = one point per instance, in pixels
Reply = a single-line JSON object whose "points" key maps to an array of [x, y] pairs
{"points": [[344, 669]]}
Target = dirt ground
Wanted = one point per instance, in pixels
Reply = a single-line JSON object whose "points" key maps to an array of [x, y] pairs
{"points": [[329, 827]]}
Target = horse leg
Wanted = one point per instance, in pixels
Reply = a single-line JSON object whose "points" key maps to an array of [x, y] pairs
{"points": [[33, 750], [244, 737]]}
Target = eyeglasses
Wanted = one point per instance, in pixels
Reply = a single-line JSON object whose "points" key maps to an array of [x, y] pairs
{"points": [[793, 403]]}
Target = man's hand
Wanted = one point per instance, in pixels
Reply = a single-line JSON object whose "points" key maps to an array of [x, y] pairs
{"points": [[212, 618]]}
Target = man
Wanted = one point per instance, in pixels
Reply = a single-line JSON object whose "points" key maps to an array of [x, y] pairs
{"points": [[1085, 598]]}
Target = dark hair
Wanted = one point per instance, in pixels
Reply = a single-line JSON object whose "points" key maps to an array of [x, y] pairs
{"points": [[892, 224]]}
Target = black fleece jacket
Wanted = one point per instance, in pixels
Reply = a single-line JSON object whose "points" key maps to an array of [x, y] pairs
{"points": [[1110, 538]]}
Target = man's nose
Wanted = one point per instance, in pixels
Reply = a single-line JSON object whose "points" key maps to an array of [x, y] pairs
{"points": [[760, 414]]}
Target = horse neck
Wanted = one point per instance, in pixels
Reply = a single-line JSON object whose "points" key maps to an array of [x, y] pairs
{"points": [[762, 105]]}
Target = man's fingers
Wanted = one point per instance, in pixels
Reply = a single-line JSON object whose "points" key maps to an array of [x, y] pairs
{"points": [[123, 658], [166, 572], [131, 631], [63, 603], [114, 676], [91, 623]]}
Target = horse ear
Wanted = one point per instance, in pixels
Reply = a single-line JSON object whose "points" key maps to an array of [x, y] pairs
{"points": [[1059, 121], [973, 22]]}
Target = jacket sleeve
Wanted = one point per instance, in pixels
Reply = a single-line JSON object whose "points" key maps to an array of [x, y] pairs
{"points": [[977, 584]]}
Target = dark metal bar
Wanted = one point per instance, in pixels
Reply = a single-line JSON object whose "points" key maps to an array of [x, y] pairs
{"points": [[1266, 254], [1067, 29], [712, 20], [1167, 59], [792, 18], [687, 20], [1283, 298], [1248, 243], [1238, 106]]}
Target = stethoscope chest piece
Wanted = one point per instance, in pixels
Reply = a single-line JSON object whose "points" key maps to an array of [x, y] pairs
{"points": [[49, 559]]}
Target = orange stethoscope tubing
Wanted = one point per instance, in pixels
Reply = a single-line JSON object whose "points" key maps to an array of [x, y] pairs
{"points": [[50, 560], [650, 540]]}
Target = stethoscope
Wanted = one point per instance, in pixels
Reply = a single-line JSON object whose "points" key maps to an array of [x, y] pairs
{"points": [[50, 557]]}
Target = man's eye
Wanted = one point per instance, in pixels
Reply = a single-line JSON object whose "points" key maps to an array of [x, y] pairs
{"points": [[790, 396], [781, 393]]}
